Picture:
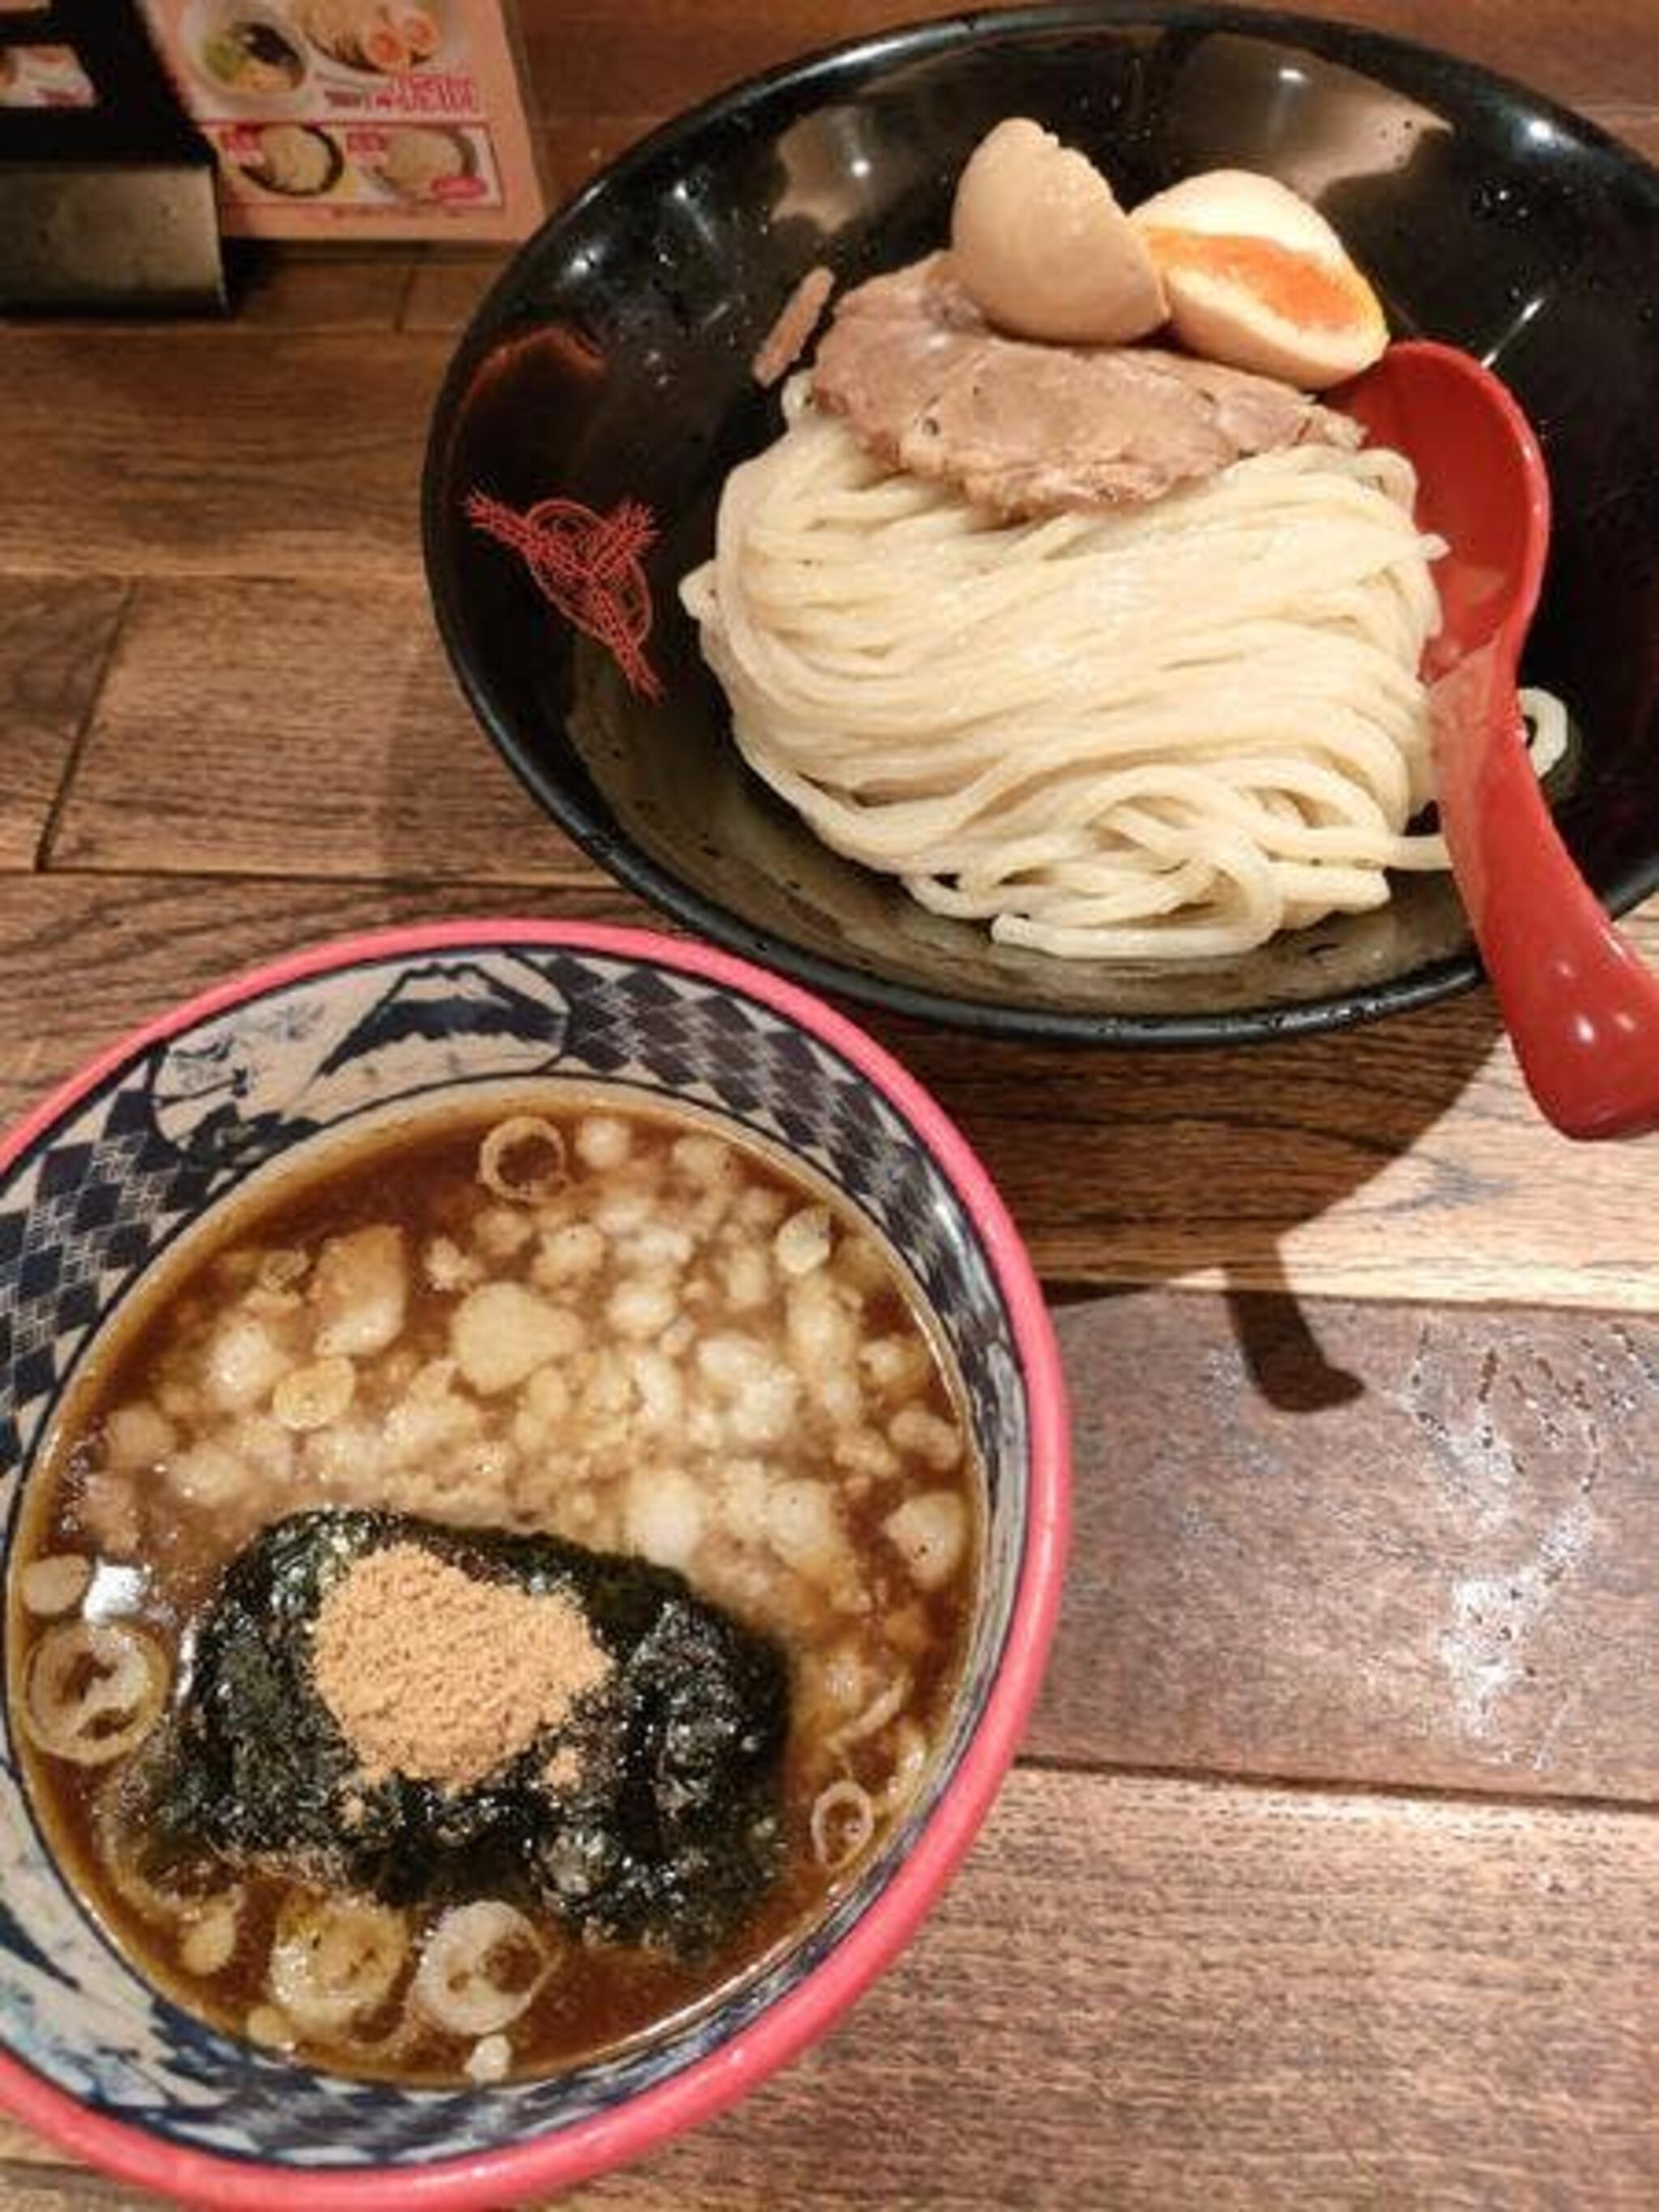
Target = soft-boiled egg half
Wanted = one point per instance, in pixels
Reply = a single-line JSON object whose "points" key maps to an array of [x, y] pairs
{"points": [[1042, 248], [1257, 278]]}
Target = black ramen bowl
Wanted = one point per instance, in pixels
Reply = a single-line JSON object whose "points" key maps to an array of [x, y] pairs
{"points": [[612, 364]]}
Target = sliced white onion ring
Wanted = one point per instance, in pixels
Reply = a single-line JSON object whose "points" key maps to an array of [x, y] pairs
{"points": [[843, 1821], [481, 1967], [93, 1690], [334, 1959], [523, 1160]]}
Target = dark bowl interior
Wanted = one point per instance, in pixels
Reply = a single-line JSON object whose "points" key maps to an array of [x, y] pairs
{"points": [[612, 361]]}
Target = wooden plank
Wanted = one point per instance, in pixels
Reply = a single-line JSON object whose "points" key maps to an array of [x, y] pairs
{"points": [[55, 640], [298, 456], [1387, 1544], [1142, 1992], [1336, 1166], [270, 727], [36, 2182], [287, 286], [103, 952], [1638, 127], [443, 293], [329, 288]]}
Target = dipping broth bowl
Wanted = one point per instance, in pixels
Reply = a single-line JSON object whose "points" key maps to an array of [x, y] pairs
{"points": [[96, 1186]]}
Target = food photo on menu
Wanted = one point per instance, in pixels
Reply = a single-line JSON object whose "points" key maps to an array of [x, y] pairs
{"points": [[44, 77], [357, 118]]}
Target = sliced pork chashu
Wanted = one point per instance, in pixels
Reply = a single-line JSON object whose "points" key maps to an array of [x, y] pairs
{"points": [[1027, 429]]}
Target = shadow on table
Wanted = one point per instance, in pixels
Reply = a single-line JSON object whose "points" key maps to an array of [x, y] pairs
{"points": [[1129, 1170]]}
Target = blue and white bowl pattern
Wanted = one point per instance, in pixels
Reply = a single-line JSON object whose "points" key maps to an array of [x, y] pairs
{"points": [[88, 1208]]}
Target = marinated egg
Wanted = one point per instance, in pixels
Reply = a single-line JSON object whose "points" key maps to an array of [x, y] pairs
{"points": [[1258, 279], [1044, 249]]}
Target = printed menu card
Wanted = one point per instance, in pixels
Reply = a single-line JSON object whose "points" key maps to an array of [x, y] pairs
{"points": [[358, 118]]}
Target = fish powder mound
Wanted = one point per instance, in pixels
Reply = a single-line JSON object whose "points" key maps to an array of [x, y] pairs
{"points": [[620, 1759]]}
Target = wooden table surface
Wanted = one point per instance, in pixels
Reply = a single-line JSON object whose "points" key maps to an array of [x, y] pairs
{"points": [[1330, 1874]]}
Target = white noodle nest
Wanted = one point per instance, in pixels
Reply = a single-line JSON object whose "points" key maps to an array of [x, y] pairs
{"points": [[1160, 732]]}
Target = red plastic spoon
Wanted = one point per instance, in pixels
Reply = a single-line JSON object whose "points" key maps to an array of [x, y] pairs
{"points": [[1582, 1011]]}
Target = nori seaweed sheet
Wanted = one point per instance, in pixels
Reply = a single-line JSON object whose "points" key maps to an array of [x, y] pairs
{"points": [[667, 1835]]}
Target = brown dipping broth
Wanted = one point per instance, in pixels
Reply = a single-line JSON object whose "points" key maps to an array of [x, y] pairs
{"points": [[157, 1555]]}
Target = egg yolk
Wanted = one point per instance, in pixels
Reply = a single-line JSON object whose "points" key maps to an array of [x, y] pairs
{"points": [[1315, 295]]}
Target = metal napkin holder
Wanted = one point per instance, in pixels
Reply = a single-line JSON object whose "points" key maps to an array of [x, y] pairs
{"points": [[107, 208]]}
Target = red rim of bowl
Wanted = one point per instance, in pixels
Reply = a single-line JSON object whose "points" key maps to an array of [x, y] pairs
{"points": [[711, 2083]]}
